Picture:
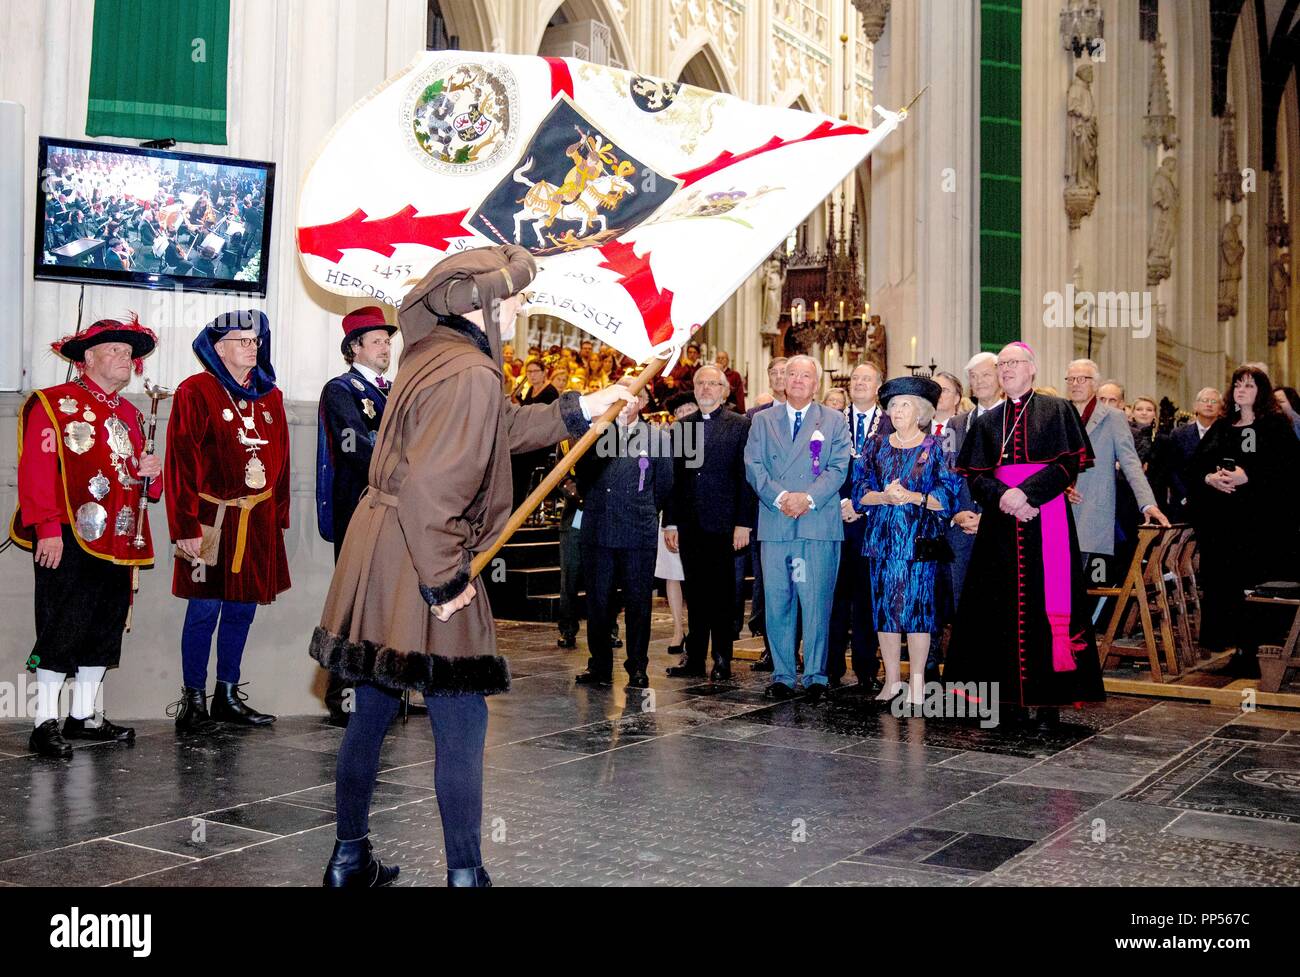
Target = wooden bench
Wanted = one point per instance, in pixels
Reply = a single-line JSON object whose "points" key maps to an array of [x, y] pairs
{"points": [[1276, 660], [1142, 606]]}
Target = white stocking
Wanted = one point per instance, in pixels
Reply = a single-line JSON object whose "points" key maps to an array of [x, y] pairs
{"points": [[85, 690], [46, 704]]}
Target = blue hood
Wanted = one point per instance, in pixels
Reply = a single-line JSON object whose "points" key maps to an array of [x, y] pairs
{"points": [[261, 379]]}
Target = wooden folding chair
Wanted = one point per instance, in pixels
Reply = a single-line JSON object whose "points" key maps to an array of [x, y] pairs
{"points": [[1174, 563], [1131, 590]]}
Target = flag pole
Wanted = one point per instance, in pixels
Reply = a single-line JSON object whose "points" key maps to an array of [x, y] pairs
{"points": [[561, 469]]}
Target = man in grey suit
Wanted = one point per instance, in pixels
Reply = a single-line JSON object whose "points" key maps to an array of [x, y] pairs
{"points": [[796, 459], [1093, 495]]}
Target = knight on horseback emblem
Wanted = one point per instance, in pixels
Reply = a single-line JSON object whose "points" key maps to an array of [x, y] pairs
{"points": [[577, 192]]}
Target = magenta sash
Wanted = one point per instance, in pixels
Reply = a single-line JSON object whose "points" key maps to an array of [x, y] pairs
{"points": [[1057, 566]]}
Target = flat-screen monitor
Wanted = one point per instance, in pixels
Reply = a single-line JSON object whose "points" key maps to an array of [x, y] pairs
{"points": [[150, 218]]}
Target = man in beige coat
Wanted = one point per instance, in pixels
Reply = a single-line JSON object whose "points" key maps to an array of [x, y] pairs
{"points": [[401, 612]]}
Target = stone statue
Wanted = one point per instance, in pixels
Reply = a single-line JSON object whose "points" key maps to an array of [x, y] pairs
{"points": [[1231, 251], [1081, 186], [773, 283], [1279, 297], [874, 343], [1164, 222]]}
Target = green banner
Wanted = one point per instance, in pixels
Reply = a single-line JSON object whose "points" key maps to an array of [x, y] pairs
{"points": [[158, 70]]}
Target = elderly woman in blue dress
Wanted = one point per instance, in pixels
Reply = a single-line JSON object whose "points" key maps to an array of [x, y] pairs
{"points": [[906, 488]]}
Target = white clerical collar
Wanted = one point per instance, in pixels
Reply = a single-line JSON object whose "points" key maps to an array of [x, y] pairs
{"points": [[705, 417]]}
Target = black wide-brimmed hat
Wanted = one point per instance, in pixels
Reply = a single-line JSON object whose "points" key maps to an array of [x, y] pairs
{"points": [[922, 387], [141, 339]]}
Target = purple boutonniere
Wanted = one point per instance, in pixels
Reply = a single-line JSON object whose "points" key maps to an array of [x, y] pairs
{"points": [[815, 451]]}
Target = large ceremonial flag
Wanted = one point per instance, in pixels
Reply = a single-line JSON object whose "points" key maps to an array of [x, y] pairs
{"points": [[646, 203]]}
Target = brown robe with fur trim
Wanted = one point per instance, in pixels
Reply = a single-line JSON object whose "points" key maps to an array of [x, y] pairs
{"points": [[439, 491]]}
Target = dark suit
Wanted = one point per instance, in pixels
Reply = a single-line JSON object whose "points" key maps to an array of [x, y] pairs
{"points": [[1185, 440], [851, 612], [707, 503], [351, 408], [620, 536]]}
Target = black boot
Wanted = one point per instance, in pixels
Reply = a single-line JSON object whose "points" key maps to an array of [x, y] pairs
{"points": [[105, 732], [46, 740], [764, 663], [468, 878], [354, 866], [191, 712], [228, 707]]}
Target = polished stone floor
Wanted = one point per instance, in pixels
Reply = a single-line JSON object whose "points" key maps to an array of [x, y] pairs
{"points": [[695, 785]]}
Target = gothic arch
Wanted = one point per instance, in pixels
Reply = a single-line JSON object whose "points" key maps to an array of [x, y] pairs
{"points": [[697, 63], [575, 10], [472, 23]]}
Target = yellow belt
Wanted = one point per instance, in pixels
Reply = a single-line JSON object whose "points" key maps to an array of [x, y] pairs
{"points": [[245, 504]]}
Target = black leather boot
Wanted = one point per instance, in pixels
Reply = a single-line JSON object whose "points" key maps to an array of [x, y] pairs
{"points": [[191, 712], [228, 707], [354, 866], [46, 740], [469, 878]]}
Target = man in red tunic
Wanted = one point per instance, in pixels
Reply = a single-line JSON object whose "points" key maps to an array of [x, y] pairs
{"points": [[81, 466], [228, 490]]}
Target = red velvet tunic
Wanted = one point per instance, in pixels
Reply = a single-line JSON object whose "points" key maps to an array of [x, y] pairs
{"points": [[204, 457], [55, 478]]}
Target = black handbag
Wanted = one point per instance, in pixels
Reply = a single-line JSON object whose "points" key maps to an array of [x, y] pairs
{"points": [[927, 548]]}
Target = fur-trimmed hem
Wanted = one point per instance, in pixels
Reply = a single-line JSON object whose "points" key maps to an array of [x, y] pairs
{"points": [[571, 413], [365, 661], [443, 592]]}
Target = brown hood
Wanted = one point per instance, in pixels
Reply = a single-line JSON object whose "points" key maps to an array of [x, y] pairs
{"points": [[461, 283]]}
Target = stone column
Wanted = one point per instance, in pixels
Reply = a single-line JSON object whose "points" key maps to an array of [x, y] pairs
{"points": [[921, 278]]}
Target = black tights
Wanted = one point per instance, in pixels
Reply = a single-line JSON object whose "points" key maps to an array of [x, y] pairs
{"points": [[459, 725]]}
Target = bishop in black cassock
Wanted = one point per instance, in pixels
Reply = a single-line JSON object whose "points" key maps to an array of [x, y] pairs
{"points": [[1023, 621]]}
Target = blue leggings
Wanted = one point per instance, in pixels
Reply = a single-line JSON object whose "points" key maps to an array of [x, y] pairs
{"points": [[196, 639], [459, 730]]}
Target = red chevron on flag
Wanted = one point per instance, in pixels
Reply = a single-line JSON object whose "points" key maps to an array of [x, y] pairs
{"points": [[727, 158], [654, 303], [382, 235]]}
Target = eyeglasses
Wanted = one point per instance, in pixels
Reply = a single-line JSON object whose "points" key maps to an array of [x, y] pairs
{"points": [[1079, 379], [246, 342], [1005, 363]]}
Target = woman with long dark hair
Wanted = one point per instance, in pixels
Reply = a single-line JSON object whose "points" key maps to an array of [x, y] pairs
{"points": [[1245, 524]]}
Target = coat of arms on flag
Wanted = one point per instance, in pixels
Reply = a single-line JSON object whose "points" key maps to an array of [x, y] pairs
{"points": [[646, 202]]}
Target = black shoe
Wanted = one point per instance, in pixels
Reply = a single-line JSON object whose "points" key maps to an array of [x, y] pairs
{"points": [[228, 707], [1048, 718], [191, 712], [1242, 664], [638, 680], [834, 681], [469, 878], [778, 691], [764, 663], [1013, 717], [567, 641], [676, 649], [814, 693], [592, 678], [105, 732], [338, 718], [721, 672], [614, 642], [354, 866], [685, 669], [46, 740]]}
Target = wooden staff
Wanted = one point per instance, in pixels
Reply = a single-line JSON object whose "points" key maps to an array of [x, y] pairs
{"points": [[156, 394], [557, 474]]}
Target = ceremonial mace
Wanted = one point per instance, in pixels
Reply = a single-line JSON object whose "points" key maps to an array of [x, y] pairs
{"points": [[155, 395]]}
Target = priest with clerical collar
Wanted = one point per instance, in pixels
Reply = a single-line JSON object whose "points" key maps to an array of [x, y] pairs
{"points": [[1023, 622], [228, 485]]}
